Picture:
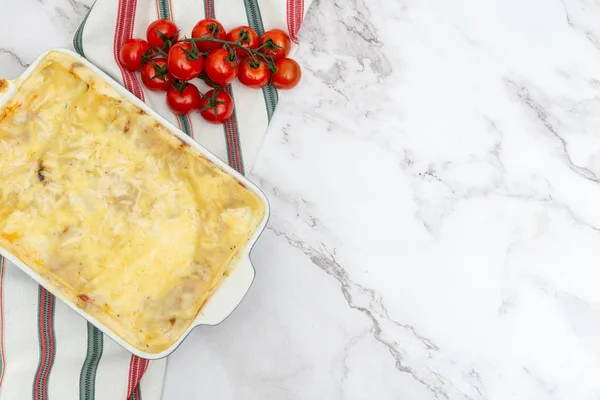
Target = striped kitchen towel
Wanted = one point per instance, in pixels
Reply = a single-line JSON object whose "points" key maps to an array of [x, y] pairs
{"points": [[48, 351]]}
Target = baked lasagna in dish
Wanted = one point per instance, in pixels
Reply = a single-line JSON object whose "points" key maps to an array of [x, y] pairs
{"points": [[128, 221]]}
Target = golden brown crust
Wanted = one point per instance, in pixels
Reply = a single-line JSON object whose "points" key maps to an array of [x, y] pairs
{"points": [[125, 218]]}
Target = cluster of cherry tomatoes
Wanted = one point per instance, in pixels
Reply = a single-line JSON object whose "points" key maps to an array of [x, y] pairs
{"points": [[213, 55]]}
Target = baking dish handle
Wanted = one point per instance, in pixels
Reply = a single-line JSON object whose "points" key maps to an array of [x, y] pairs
{"points": [[225, 300]]}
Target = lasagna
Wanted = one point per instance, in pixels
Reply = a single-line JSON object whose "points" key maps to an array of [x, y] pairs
{"points": [[125, 219]]}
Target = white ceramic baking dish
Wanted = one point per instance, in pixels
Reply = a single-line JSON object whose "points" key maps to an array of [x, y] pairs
{"points": [[233, 289]]}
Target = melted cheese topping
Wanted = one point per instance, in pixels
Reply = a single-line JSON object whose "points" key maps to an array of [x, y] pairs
{"points": [[120, 215]]}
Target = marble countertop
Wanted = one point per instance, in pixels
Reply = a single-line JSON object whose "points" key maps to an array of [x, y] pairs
{"points": [[435, 183]]}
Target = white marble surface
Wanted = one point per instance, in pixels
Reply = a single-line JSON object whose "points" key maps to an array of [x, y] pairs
{"points": [[435, 183]]}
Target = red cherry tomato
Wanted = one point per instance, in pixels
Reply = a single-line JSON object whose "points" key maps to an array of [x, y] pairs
{"points": [[183, 98], [221, 66], [162, 32], [254, 73], [132, 52], [217, 107], [184, 61], [209, 27], [278, 44], [288, 74], [155, 75], [247, 38]]}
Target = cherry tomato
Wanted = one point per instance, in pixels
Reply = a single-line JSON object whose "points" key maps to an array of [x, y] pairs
{"points": [[132, 54], [184, 61], [247, 38], [279, 44], [221, 66], [183, 98], [155, 74], [162, 33], [288, 74], [254, 73], [217, 107], [209, 27]]}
